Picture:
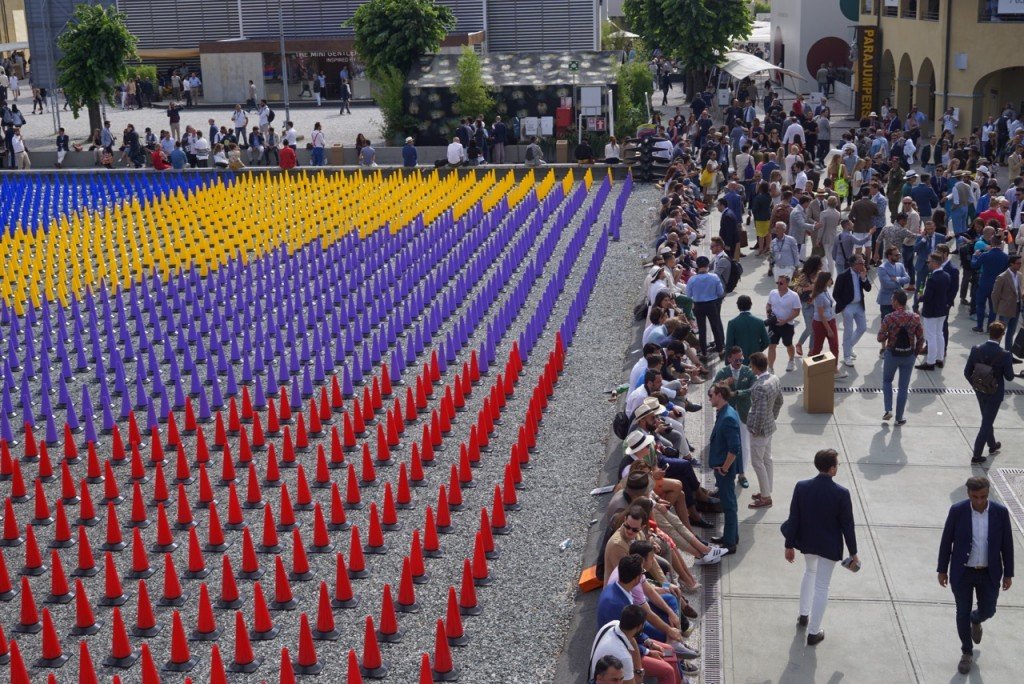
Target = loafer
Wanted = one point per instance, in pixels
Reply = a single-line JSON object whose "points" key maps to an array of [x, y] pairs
{"points": [[744, 482], [689, 612], [815, 639], [965, 663], [693, 408], [995, 450], [801, 621], [978, 459], [760, 503], [976, 632], [940, 364], [701, 523], [925, 366]]}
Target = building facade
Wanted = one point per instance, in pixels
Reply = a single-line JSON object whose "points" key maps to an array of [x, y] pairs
{"points": [[809, 33], [937, 54]]}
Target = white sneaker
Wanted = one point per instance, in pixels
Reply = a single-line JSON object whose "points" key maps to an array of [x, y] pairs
{"points": [[791, 366], [848, 362], [684, 651], [853, 355]]}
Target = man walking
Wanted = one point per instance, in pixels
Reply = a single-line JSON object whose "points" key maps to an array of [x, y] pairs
{"points": [[765, 404], [739, 378], [902, 338], [723, 452], [848, 292], [975, 556], [987, 369], [934, 307], [820, 519], [1007, 295], [746, 330]]}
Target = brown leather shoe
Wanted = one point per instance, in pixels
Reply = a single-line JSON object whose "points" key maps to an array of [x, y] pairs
{"points": [[815, 639]]}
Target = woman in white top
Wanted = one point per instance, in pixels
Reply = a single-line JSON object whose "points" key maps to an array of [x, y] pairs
{"points": [[220, 159], [612, 152]]}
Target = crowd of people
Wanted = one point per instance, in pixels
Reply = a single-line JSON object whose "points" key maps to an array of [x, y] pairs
{"points": [[882, 218]]}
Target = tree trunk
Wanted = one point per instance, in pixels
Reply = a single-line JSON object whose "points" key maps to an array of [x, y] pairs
{"points": [[95, 121]]}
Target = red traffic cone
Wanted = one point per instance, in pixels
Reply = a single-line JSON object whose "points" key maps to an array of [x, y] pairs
{"points": [[343, 596], [60, 592], [406, 592], [353, 499], [216, 542], [197, 568], [86, 561], [444, 518], [322, 480], [113, 594], [245, 660], [141, 568], [498, 522], [263, 627], [121, 653], [150, 675], [337, 451], [206, 498], [62, 528], [273, 474], [338, 520], [300, 562], [354, 675], [356, 560], [389, 631], [181, 659], [403, 497], [173, 594], [373, 665], [184, 519], [303, 494], [285, 511], [389, 516], [164, 537], [375, 542], [217, 672], [42, 507], [453, 622], [236, 519], [7, 589], [454, 489], [34, 565], [270, 543], [18, 673], [431, 542], [321, 537], [283, 597], [86, 669], [229, 594], [490, 551], [325, 629], [253, 493], [12, 531], [145, 620], [368, 477], [85, 621], [481, 573], [444, 668], [52, 653], [417, 567], [250, 569], [426, 673], [206, 624], [467, 597]]}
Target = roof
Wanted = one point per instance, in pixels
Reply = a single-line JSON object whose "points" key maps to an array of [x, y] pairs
{"points": [[538, 69], [739, 65]]}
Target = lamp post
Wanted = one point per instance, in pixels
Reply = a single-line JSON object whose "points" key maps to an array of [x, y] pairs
{"points": [[284, 62]]}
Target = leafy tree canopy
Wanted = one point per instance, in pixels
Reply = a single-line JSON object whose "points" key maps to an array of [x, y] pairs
{"points": [[393, 33], [471, 93], [696, 31], [96, 46]]}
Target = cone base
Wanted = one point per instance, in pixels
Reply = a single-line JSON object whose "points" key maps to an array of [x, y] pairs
{"points": [[140, 574], [392, 527], [346, 604], [61, 544], [265, 636], [131, 524], [474, 610], [367, 484], [411, 608], [41, 522], [28, 629], [176, 602], [391, 638], [119, 546], [185, 526], [358, 574], [33, 572], [408, 506], [290, 604], [376, 550], [84, 631], [469, 484], [460, 640], [58, 598], [121, 663], [376, 672], [320, 549], [483, 581], [11, 542], [253, 505], [254, 575], [501, 531], [145, 632], [320, 485], [53, 662], [90, 522], [492, 555], [232, 604], [511, 507], [332, 635], [300, 576], [186, 666], [431, 554], [218, 548], [421, 579], [196, 574], [451, 675], [246, 668], [358, 506], [235, 527], [287, 527], [275, 549], [113, 600], [339, 527], [313, 669], [196, 635], [85, 572]]}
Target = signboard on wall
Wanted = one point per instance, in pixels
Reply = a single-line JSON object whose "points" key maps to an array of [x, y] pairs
{"points": [[1011, 7], [868, 49]]}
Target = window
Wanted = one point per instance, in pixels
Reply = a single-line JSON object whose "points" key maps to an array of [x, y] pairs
{"points": [[929, 10], [908, 9], [890, 8], [869, 6], [988, 10]]}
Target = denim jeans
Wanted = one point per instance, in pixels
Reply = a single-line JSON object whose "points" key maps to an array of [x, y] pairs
{"points": [[958, 217], [854, 325], [1011, 330], [890, 365], [982, 301]]}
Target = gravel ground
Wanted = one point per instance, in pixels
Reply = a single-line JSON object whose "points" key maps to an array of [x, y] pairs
{"points": [[505, 639]]}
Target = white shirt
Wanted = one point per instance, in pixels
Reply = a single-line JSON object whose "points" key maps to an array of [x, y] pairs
{"points": [[784, 306], [239, 118], [201, 148], [456, 153], [264, 116], [290, 137], [857, 294], [317, 139], [634, 399], [978, 557], [611, 641], [17, 144], [794, 131], [611, 151]]}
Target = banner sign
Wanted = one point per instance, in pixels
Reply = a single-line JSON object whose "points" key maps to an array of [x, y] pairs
{"points": [[867, 69]]}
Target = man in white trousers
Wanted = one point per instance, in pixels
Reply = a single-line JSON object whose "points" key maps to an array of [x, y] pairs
{"points": [[765, 404]]}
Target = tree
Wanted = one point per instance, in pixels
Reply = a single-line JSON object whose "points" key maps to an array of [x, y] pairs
{"points": [[632, 97], [96, 46], [389, 92], [393, 33], [471, 94], [698, 32]]}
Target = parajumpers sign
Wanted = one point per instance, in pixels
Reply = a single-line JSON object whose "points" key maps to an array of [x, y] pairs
{"points": [[867, 69]]}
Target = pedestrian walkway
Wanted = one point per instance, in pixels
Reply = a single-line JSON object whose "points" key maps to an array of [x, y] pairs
{"points": [[891, 621]]}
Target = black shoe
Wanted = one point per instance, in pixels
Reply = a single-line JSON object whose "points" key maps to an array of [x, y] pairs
{"points": [[801, 621], [901, 422], [1016, 360], [976, 632], [730, 550], [995, 450], [693, 408], [978, 459], [925, 366], [815, 639], [977, 330], [940, 364], [701, 523]]}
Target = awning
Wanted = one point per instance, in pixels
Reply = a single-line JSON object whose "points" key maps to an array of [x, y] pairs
{"points": [[740, 65], [11, 47]]}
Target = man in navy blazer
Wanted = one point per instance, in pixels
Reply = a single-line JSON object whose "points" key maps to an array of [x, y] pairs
{"points": [[992, 354], [820, 519], [954, 286], [975, 565], [934, 310], [724, 451]]}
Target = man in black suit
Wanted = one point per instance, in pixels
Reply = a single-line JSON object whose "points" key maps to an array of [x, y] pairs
{"points": [[954, 286], [729, 228], [848, 292], [820, 518], [1000, 363], [975, 565], [933, 312]]}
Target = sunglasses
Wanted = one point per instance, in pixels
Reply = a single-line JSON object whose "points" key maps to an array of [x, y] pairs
{"points": [[631, 528]]}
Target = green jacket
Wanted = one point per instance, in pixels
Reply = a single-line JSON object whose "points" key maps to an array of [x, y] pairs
{"points": [[747, 332], [740, 389]]}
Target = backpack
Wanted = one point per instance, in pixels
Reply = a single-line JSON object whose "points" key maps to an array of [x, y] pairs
{"points": [[735, 272], [270, 114], [903, 345], [983, 379], [620, 425], [529, 153], [748, 173]]}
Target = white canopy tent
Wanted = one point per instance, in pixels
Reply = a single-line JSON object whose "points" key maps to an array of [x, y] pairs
{"points": [[740, 65]]}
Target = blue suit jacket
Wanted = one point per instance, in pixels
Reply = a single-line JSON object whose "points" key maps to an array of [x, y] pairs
{"points": [[934, 300], [725, 438], [954, 282], [991, 264], [955, 547], [610, 604], [820, 518]]}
